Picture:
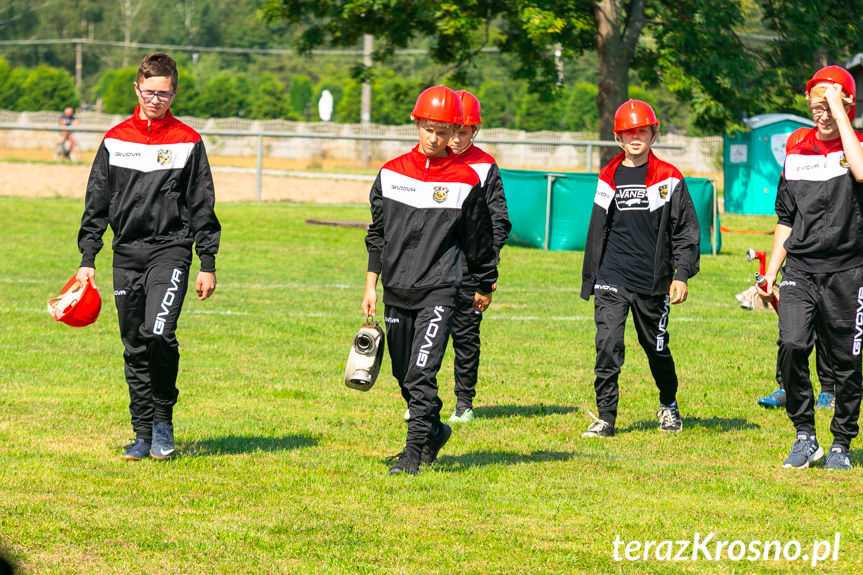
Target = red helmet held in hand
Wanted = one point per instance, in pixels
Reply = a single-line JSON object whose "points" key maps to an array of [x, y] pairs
{"points": [[439, 104], [834, 75], [470, 108], [634, 114], [77, 305]]}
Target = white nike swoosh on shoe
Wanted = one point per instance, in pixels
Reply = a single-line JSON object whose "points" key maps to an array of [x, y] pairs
{"points": [[166, 451]]}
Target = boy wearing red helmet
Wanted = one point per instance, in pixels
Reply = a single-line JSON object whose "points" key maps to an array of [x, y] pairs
{"points": [[642, 248], [427, 209], [819, 237], [466, 321], [151, 182]]}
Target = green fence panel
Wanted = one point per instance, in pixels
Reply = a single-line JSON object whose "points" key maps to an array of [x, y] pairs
{"points": [[571, 205], [526, 206], [701, 191]]}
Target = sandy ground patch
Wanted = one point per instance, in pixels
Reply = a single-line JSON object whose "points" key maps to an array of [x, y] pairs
{"points": [[38, 180]]}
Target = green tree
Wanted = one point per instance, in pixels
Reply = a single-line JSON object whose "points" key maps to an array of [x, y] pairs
{"points": [[224, 95], [300, 95], [47, 88], [690, 44], [497, 104], [116, 90], [269, 100]]}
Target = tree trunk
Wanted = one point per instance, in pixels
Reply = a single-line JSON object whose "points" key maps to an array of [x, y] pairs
{"points": [[616, 38]]}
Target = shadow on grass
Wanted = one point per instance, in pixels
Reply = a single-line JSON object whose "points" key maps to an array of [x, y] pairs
{"points": [[233, 444], [455, 463], [715, 423], [540, 410]]}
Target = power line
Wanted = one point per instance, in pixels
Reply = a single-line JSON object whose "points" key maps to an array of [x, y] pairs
{"points": [[226, 50]]}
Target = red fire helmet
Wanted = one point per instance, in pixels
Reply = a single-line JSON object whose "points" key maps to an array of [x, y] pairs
{"points": [[77, 305], [439, 104], [634, 114], [470, 108], [835, 75]]}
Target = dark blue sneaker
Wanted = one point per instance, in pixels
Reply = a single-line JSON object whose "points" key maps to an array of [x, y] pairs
{"points": [[837, 459], [774, 400], [163, 440], [136, 451], [826, 401], [804, 451]]}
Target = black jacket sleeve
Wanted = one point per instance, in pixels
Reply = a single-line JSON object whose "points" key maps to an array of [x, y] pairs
{"points": [[685, 234], [97, 202], [475, 237], [496, 201], [786, 207], [201, 199], [375, 234]]}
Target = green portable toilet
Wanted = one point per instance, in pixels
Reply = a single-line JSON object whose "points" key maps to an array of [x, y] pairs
{"points": [[753, 161]]}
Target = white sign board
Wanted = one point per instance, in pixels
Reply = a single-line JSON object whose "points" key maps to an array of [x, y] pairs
{"points": [[777, 146], [738, 153]]}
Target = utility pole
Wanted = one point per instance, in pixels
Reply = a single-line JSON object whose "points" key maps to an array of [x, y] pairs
{"points": [[366, 95], [79, 65]]}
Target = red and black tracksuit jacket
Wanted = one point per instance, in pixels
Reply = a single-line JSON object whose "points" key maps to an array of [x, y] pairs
{"points": [[822, 280], [151, 182], [486, 168], [675, 222], [426, 211]]}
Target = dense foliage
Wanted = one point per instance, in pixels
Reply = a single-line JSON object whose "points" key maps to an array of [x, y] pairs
{"points": [[704, 64]]}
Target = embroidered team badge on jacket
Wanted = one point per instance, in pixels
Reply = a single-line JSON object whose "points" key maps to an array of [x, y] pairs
{"points": [[440, 194]]}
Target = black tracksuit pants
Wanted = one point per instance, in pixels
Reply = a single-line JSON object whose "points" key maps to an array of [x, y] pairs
{"points": [[650, 315], [830, 304], [465, 345], [822, 368], [416, 340], [148, 306]]}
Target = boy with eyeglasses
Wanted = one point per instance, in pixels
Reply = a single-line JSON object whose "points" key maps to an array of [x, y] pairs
{"points": [[819, 237], [151, 182]]}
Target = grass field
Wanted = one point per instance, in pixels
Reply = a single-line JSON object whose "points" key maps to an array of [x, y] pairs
{"points": [[280, 466]]}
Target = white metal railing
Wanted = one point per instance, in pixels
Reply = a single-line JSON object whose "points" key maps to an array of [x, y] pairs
{"points": [[350, 142]]}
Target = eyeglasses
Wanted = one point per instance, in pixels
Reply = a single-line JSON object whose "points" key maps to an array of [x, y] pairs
{"points": [[148, 95], [818, 111]]}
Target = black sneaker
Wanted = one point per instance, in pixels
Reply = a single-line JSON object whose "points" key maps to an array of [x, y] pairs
{"points": [[599, 428], [405, 464], [669, 418], [837, 459], [804, 451], [136, 451], [163, 441], [432, 447]]}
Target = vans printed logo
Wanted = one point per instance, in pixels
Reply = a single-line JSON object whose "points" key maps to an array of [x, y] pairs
{"points": [[164, 156], [631, 198], [440, 194]]}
